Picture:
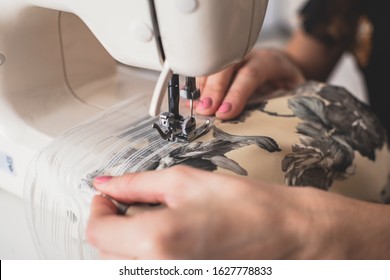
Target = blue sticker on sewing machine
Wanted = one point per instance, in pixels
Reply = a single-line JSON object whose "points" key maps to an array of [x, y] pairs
{"points": [[6, 163]]}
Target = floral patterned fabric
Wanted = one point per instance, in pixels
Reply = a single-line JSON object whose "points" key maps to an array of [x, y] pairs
{"points": [[317, 135]]}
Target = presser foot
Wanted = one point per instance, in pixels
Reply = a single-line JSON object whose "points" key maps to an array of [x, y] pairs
{"points": [[180, 129]]}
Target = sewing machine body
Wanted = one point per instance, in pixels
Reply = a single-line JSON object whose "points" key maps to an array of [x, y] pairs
{"points": [[63, 62]]}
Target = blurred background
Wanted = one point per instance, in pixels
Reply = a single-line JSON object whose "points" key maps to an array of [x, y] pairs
{"points": [[281, 20]]}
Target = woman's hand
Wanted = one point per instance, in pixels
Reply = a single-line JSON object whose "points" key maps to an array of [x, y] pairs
{"points": [[215, 216], [226, 93]]}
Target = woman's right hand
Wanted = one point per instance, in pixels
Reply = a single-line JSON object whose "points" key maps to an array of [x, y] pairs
{"points": [[226, 92]]}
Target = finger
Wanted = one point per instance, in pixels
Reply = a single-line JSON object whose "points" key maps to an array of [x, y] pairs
{"points": [[200, 83], [248, 78], [145, 187], [102, 206], [214, 90]]}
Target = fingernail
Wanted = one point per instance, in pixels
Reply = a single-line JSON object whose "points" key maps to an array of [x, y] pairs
{"points": [[102, 179], [225, 107], [205, 103]]}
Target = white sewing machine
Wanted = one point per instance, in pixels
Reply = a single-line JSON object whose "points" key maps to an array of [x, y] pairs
{"points": [[62, 62]]}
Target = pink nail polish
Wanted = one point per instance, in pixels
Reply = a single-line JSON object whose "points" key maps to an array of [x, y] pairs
{"points": [[102, 179], [205, 103], [225, 107]]}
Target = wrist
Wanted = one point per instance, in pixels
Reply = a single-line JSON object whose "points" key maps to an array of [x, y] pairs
{"points": [[366, 228], [339, 227]]}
